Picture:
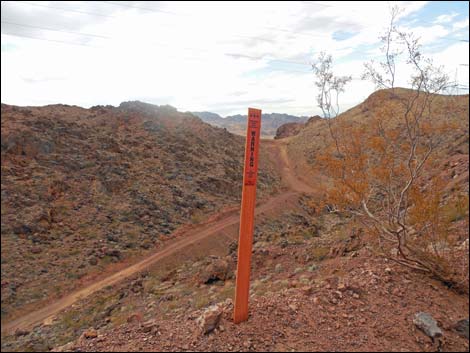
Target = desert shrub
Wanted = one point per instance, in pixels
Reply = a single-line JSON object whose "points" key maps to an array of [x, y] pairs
{"points": [[457, 210], [381, 171], [319, 253], [201, 301]]}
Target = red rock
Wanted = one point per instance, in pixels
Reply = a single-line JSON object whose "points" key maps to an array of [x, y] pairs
{"points": [[90, 333], [210, 319]]}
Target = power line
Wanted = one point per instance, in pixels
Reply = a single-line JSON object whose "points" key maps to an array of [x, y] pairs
{"points": [[284, 60], [49, 40], [153, 10], [192, 58], [81, 34], [235, 55], [108, 2], [55, 30], [179, 14], [227, 54], [107, 37], [65, 10]]}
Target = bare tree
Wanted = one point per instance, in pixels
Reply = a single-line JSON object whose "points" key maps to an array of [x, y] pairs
{"points": [[376, 170], [329, 87]]}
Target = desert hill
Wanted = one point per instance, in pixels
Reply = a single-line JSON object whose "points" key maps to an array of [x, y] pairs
{"points": [[312, 138], [318, 282], [86, 188]]}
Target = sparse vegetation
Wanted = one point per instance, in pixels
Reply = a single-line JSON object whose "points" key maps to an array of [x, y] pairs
{"points": [[378, 170], [120, 224], [319, 253], [112, 188]]}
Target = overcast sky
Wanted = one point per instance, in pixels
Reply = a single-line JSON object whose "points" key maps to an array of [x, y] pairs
{"points": [[219, 57]]}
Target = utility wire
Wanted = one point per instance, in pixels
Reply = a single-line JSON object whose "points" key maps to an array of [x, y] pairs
{"points": [[154, 10], [49, 40], [192, 58], [65, 10], [240, 36], [94, 35], [55, 30], [234, 55], [179, 14]]}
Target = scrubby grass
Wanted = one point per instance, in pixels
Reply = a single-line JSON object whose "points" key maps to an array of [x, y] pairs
{"points": [[228, 291], [457, 210], [319, 253], [202, 300]]}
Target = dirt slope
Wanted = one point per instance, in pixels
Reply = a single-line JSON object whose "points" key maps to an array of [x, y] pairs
{"points": [[87, 189], [354, 304], [186, 239]]}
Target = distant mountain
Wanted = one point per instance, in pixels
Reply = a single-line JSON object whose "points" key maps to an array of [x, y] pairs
{"points": [[210, 118], [237, 123]]}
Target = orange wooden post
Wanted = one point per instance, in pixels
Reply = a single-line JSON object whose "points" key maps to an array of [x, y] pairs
{"points": [[247, 215]]}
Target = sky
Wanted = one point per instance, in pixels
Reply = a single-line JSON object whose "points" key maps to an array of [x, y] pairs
{"points": [[211, 56]]}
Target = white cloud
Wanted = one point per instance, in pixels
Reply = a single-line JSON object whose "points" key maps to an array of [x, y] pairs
{"points": [[177, 53], [460, 25], [427, 34], [452, 59], [446, 18]]}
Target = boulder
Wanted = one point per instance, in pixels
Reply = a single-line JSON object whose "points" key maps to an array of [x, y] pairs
{"points": [[20, 332], [461, 327], [217, 270], [135, 318], [150, 326], [288, 129], [113, 253], [350, 245], [210, 319], [426, 323], [90, 333]]}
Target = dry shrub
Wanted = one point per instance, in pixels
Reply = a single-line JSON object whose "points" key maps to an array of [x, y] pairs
{"points": [[383, 171]]}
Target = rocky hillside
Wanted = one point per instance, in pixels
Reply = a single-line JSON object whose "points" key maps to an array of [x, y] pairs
{"points": [[451, 158], [289, 129], [316, 286], [83, 189], [292, 129], [317, 283], [237, 123]]}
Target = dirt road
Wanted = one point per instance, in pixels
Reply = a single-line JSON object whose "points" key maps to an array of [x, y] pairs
{"points": [[292, 186]]}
